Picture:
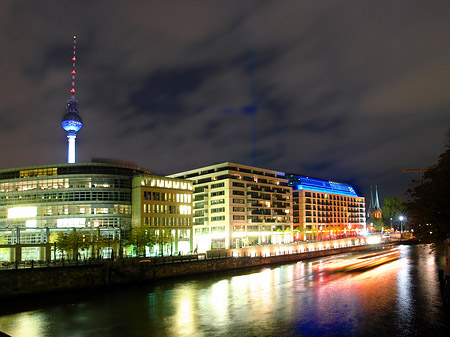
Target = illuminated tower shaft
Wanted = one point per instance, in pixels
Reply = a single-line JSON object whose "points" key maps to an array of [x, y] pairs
{"points": [[71, 137], [72, 121]]}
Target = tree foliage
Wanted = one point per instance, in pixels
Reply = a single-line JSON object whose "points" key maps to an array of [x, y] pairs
{"points": [[163, 238], [141, 237], [429, 204], [98, 241], [376, 223], [392, 208], [72, 242], [144, 236]]}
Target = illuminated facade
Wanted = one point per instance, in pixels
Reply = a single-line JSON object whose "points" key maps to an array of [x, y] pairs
{"points": [[239, 206], [96, 194], [325, 209], [165, 206]]}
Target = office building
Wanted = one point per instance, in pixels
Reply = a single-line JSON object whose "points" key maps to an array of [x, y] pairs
{"points": [[164, 206], [239, 206], [38, 200]]}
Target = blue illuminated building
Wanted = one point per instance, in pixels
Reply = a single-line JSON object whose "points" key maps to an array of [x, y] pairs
{"points": [[313, 184], [325, 209]]}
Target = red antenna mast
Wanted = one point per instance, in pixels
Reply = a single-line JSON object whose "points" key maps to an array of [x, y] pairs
{"points": [[72, 91]]}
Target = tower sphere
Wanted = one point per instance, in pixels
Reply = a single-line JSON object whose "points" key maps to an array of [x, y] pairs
{"points": [[71, 120]]}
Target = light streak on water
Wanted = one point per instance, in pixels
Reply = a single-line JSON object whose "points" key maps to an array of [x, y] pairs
{"points": [[300, 299]]}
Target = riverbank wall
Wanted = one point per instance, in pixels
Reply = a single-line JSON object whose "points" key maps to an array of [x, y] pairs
{"points": [[444, 275], [28, 281]]}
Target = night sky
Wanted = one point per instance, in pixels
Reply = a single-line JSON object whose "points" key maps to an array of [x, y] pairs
{"points": [[352, 91]]}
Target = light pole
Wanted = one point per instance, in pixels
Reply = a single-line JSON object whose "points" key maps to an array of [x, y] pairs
{"points": [[401, 218], [391, 225]]}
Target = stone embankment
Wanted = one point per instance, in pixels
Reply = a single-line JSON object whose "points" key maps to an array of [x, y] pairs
{"points": [[20, 282], [444, 275]]}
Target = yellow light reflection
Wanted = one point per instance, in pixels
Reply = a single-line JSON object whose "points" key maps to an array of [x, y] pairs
{"points": [[183, 322], [25, 324]]}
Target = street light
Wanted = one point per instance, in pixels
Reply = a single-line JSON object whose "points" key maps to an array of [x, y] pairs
{"points": [[391, 225], [401, 218]]}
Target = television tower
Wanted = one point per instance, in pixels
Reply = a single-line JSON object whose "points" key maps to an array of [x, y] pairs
{"points": [[72, 121]]}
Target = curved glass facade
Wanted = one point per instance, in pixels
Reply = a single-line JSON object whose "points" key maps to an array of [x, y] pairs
{"points": [[96, 194]]}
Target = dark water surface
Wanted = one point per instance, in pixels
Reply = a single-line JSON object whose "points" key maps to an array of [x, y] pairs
{"points": [[400, 298]]}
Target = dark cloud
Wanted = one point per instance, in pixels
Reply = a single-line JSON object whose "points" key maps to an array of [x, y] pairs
{"points": [[164, 91], [351, 91]]}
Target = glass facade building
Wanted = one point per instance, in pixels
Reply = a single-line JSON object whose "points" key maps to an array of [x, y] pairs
{"points": [[95, 194]]}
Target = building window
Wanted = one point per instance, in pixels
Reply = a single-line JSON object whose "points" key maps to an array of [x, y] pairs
{"points": [[215, 194], [218, 201], [218, 185]]}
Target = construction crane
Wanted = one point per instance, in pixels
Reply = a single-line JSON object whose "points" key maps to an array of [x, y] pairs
{"points": [[410, 170]]}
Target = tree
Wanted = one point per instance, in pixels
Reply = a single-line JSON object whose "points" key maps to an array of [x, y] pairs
{"points": [[163, 238], [392, 208], [72, 242], [429, 204], [62, 242], [98, 241], [377, 223], [3, 241], [141, 237]]}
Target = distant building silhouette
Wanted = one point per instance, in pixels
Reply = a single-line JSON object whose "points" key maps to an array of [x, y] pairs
{"points": [[374, 210]]}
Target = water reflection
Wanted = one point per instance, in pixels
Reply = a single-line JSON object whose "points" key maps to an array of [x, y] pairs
{"points": [[300, 299]]}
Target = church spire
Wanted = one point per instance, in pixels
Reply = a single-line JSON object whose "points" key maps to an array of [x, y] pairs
{"points": [[377, 203], [371, 205]]}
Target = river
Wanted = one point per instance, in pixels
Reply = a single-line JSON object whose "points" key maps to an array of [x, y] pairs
{"points": [[400, 298]]}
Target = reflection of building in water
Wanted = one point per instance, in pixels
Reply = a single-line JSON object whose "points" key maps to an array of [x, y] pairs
{"points": [[325, 209]]}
